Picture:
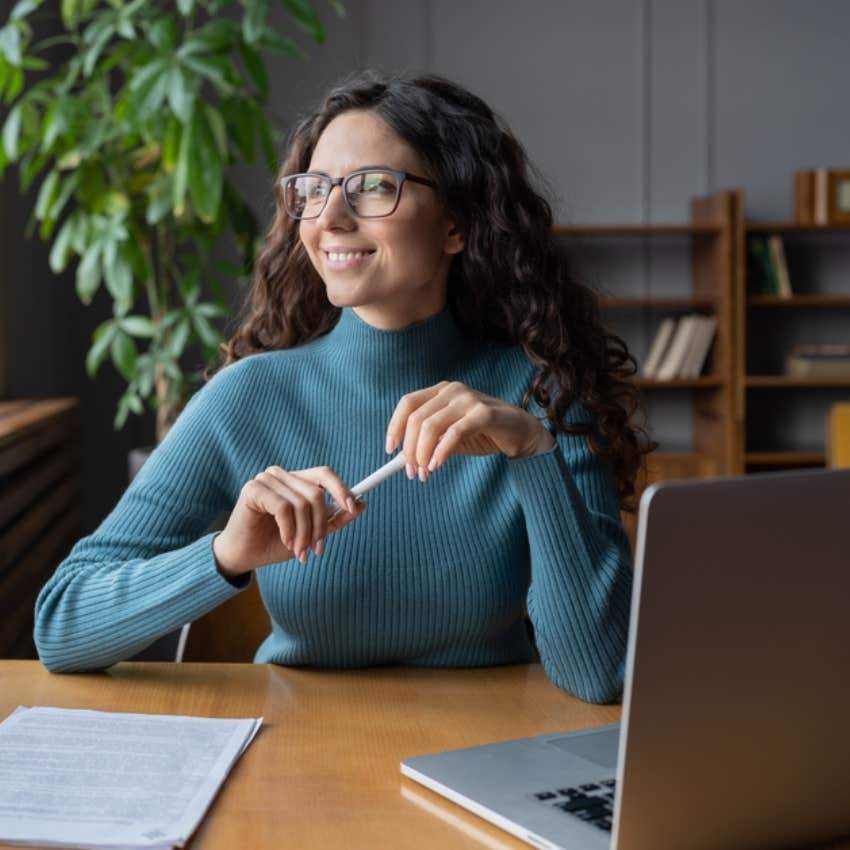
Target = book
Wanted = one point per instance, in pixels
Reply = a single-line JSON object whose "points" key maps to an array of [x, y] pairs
{"points": [[818, 361], [677, 351], [804, 197], [706, 326], [779, 266], [838, 439], [658, 348], [112, 780], [761, 275]]}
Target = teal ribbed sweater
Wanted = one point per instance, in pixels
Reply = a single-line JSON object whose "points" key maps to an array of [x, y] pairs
{"points": [[436, 573]]}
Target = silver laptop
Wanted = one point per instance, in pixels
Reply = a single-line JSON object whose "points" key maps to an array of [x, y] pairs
{"points": [[735, 728]]}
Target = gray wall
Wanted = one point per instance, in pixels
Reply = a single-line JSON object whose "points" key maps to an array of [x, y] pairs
{"points": [[628, 107]]}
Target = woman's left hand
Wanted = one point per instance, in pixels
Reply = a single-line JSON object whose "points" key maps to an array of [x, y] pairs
{"points": [[451, 418]]}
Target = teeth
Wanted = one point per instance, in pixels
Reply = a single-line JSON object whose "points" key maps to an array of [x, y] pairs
{"points": [[350, 255]]}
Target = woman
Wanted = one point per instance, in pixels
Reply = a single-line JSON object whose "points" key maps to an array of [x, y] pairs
{"points": [[410, 298]]}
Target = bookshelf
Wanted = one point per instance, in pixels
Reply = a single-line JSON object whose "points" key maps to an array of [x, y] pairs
{"points": [[784, 417], [706, 404]]}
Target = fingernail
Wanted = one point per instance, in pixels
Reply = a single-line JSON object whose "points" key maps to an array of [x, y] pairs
{"points": [[389, 443], [289, 545], [349, 503], [303, 557], [319, 548], [410, 470], [423, 473], [432, 465]]}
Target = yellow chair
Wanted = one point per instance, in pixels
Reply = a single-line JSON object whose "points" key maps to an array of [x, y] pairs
{"points": [[838, 438]]}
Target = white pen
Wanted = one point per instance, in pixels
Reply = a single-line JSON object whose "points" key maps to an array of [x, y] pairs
{"points": [[360, 489]]}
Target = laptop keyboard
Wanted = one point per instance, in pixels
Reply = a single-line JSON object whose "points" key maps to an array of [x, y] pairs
{"points": [[593, 802]]}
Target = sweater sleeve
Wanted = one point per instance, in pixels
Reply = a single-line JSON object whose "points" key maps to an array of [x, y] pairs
{"points": [[149, 567], [581, 570]]}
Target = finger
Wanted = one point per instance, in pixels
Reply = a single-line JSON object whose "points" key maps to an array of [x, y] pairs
{"points": [[462, 429], [262, 495], [327, 478], [343, 519], [450, 395], [406, 405], [431, 432], [287, 487], [314, 497]]}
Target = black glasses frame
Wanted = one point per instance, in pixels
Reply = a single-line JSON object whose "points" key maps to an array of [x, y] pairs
{"points": [[400, 176]]}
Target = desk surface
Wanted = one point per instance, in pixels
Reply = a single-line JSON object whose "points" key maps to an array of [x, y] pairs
{"points": [[324, 768], [323, 771]]}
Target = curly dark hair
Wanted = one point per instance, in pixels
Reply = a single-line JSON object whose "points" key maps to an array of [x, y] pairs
{"points": [[512, 283]]}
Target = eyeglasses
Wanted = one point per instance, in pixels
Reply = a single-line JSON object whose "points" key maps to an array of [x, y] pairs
{"points": [[368, 192]]}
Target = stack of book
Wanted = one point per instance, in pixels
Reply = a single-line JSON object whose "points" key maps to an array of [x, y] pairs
{"points": [[818, 361], [680, 347], [767, 268]]}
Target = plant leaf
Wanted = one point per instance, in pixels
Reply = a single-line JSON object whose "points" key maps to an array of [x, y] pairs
{"points": [[177, 343], [88, 273], [92, 54], [254, 21], [208, 335], [181, 93], [22, 8], [185, 7], [213, 37], [306, 18], [140, 326], [255, 67], [119, 277], [60, 251], [277, 43], [204, 169], [10, 44], [101, 340], [239, 119], [124, 354], [181, 171], [12, 132], [148, 87], [47, 195], [218, 129], [163, 34]]}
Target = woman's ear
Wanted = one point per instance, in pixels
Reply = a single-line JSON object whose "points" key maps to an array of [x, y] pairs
{"points": [[455, 240]]}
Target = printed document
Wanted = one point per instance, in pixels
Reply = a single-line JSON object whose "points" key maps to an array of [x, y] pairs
{"points": [[76, 778]]}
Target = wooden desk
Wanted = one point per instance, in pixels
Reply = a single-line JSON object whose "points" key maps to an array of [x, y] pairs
{"points": [[324, 769]]}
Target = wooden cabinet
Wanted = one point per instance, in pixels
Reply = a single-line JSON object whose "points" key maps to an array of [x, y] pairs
{"points": [[39, 508], [709, 402], [785, 417]]}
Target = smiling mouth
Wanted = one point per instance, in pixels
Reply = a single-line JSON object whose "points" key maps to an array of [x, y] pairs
{"points": [[344, 256]]}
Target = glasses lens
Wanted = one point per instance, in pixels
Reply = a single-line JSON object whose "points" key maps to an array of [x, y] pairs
{"points": [[372, 193], [305, 194]]}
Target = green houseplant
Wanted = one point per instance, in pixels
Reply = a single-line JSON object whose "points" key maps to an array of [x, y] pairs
{"points": [[129, 134]]}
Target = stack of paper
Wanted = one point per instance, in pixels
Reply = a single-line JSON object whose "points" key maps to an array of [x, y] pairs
{"points": [[74, 778]]}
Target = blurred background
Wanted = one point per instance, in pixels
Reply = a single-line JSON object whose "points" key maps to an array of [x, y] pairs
{"points": [[628, 108]]}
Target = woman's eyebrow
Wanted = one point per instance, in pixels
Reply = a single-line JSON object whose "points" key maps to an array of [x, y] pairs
{"points": [[381, 167]]}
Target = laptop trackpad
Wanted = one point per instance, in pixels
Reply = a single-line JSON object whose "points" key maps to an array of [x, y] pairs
{"points": [[597, 747]]}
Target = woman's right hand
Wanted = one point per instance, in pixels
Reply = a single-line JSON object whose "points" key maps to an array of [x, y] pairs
{"points": [[280, 515]]}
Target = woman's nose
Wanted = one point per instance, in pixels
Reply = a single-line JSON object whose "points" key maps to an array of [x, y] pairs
{"points": [[336, 212]]}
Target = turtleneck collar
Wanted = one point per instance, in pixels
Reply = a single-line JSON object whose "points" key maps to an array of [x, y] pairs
{"points": [[408, 358]]}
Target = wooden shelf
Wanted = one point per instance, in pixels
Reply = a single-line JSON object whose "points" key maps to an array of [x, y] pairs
{"points": [[786, 382], [793, 227], [799, 301], [635, 229], [705, 382], [660, 303], [785, 458]]}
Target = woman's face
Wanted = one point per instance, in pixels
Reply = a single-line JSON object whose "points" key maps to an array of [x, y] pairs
{"points": [[401, 276]]}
